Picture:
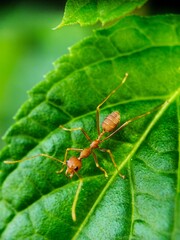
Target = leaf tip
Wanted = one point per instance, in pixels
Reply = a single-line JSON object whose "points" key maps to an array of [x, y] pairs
{"points": [[62, 24]]}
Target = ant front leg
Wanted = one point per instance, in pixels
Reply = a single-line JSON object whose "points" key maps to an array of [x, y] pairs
{"points": [[98, 107], [112, 159]]}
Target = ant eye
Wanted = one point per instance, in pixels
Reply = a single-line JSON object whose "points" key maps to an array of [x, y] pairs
{"points": [[76, 169]]}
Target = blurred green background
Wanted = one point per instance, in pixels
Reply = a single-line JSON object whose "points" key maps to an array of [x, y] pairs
{"points": [[29, 46]]}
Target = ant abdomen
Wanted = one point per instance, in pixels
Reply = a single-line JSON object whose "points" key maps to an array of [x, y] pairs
{"points": [[111, 121]]}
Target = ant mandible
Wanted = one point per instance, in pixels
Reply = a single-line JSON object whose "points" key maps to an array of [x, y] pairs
{"points": [[74, 164]]}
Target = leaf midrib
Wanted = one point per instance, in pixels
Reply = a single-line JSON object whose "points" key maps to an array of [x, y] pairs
{"points": [[176, 209], [130, 155]]}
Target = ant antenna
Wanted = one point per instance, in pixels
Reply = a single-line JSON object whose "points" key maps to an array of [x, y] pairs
{"points": [[29, 158], [76, 197]]}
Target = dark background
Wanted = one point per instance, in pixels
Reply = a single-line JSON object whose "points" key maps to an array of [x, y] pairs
{"points": [[156, 6]]}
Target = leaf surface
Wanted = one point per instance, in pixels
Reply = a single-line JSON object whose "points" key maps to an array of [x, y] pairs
{"points": [[89, 12], [36, 202]]}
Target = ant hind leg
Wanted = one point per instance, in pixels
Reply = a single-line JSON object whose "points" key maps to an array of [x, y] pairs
{"points": [[111, 93]]}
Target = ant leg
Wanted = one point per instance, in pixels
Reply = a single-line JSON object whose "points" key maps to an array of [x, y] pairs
{"points": [[98, 107], [112, 159], [76, 197], [134, 119], [65, 157], [75, 129], [41, 154], [97, 165]]}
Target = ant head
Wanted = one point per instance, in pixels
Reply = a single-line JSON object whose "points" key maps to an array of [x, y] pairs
{"points": [[73, 165]]}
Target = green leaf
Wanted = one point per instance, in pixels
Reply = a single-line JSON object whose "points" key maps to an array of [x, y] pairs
{"points": [[89, 12], [36, 202]]}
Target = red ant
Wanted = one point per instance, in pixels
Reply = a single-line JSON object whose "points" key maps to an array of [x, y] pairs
{"points": [[74, 164]]}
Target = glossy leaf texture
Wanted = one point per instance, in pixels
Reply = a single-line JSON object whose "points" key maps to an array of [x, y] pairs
{"points": [[89, 12], [36, 202]]}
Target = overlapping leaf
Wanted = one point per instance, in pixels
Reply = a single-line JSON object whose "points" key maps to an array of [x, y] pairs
{"points": [[90, 11], [37, 202]]}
